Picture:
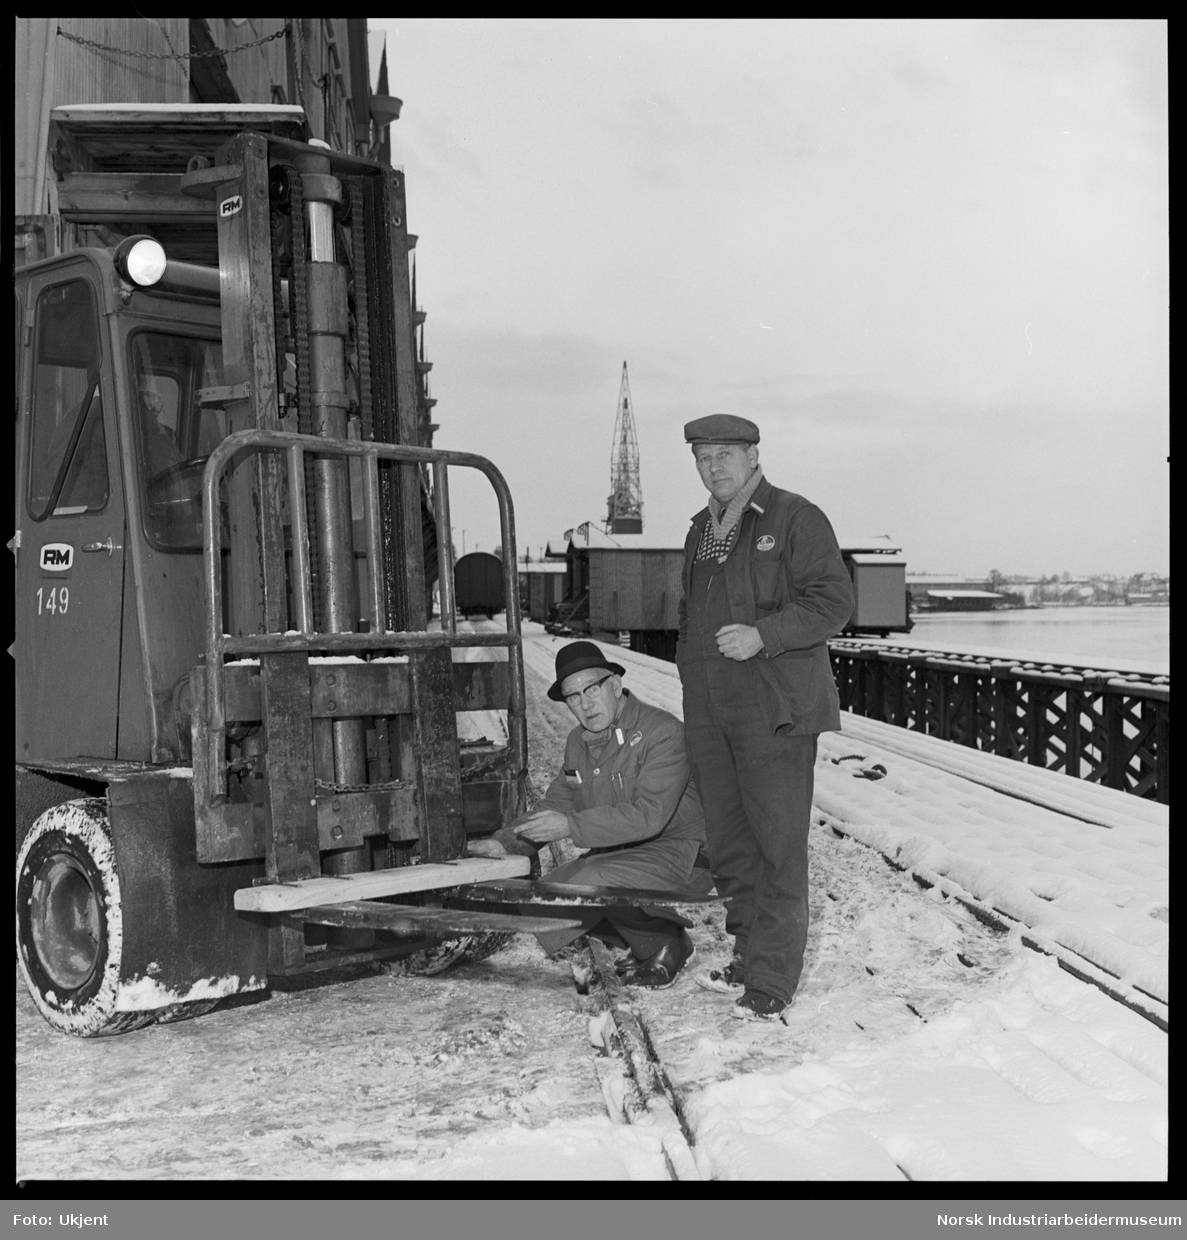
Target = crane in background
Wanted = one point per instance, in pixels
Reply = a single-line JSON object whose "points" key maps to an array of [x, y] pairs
{"points": [[624, 506]]}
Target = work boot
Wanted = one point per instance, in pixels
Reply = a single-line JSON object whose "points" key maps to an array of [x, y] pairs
{"points": [[758, 1005], [658, 972]]}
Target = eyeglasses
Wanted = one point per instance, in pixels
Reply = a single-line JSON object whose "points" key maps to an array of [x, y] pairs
{"points": [[571, 699]]}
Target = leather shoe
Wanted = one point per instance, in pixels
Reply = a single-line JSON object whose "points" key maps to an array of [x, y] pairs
{"points": [[658, 972]]}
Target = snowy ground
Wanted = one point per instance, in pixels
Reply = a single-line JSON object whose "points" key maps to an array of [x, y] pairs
{"points": [[921, 1044], [377, 1078]]}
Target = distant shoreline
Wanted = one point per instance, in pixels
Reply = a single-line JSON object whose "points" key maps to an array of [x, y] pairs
{"points": [[989, 611]]}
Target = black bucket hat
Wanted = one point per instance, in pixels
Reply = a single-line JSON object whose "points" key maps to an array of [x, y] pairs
{"points": [[579, 657]]}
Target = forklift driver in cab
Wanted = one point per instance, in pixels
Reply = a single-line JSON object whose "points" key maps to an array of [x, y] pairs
{"points": [[160, 443], [626, 794]]}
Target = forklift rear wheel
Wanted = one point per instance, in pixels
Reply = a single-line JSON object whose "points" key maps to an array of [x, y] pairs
{"points": [[70, 921]]}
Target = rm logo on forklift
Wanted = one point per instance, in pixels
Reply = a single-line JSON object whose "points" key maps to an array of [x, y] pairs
{"points": [[229, 206], [57, 557]]}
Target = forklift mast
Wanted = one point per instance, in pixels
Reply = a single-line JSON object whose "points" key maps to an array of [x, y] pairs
{"points": [[275, 739], [326, 546]]}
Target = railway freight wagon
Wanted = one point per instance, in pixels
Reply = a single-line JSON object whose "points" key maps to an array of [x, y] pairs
{"points": [[629, 589], [881, 602], [478, 584]]}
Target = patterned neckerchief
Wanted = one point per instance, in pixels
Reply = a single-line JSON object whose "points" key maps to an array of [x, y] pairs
{"points": [[718, 535], [711, 548]]}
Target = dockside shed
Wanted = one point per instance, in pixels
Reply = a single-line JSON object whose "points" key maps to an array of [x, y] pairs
{"points": [[541, 587], [632, 589]]}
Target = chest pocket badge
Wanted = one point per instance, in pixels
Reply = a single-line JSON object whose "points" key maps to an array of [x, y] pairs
{"points": [[765, 543], [636, 739]]}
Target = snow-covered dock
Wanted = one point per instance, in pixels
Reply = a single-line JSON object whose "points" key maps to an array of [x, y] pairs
{"points": [[922, 1044], [1007, 1067]]}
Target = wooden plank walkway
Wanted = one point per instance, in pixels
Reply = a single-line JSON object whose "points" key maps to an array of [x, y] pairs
{"points": [[1107, 807]]}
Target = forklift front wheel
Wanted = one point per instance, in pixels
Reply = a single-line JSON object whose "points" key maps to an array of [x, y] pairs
{"points": [[70, 922]]}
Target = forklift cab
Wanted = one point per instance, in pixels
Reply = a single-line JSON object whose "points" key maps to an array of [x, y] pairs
{"points": [[111, 444]]}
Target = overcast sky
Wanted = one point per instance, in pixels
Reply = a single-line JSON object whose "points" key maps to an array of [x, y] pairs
{"points": [[928, 258]]}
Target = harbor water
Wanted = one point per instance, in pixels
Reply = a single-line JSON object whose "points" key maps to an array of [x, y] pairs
{"points": [[1135, 637]]}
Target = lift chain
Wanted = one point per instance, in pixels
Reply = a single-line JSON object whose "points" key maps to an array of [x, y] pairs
{"points": [[278, 308], [383, 392], [300, 313], [360, 258], [471, 773], [390, 785], [171, 55]]}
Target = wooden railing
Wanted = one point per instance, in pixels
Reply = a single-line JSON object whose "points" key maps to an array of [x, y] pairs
{"points": [[1108, 727]]}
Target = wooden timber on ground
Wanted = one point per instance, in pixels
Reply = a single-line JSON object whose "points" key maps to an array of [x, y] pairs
{"points": [[1154, 1008]]}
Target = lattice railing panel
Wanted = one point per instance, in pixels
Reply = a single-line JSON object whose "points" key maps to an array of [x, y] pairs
{"points": [[1101, 726]]}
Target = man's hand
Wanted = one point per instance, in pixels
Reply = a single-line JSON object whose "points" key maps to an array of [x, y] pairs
{"points": [[544, 826], [738, 641], [485, 848]]}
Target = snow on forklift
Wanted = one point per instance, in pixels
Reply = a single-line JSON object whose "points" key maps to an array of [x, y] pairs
{"points": [[237, 748]]}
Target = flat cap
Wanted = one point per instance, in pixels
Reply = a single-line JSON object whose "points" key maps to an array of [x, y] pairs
{"points": [[720, 428]]}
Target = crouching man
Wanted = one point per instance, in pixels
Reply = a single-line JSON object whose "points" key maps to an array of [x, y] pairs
{"points": [[625, 794]]}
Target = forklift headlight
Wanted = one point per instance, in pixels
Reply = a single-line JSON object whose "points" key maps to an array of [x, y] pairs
{"points": [[141, 260]]}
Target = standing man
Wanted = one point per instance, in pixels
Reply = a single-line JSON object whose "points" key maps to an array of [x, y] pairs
{"points": [[764, 588], [625, 792]]}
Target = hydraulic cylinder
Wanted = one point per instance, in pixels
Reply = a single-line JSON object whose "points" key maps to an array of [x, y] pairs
{"points": [[329, 403]]}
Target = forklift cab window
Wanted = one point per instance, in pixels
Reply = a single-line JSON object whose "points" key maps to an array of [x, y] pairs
{"points": [[68, 446], [176, 434]]}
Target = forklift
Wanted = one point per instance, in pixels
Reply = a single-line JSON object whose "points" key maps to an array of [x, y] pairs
{"points": [[237, 745]]}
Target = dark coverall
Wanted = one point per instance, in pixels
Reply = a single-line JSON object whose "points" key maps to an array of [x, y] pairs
{"points": [[751, 727], [630, 800]]}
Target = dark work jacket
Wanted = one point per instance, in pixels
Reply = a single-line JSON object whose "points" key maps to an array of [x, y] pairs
{"points": [[784, 575], [635, 786]]}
